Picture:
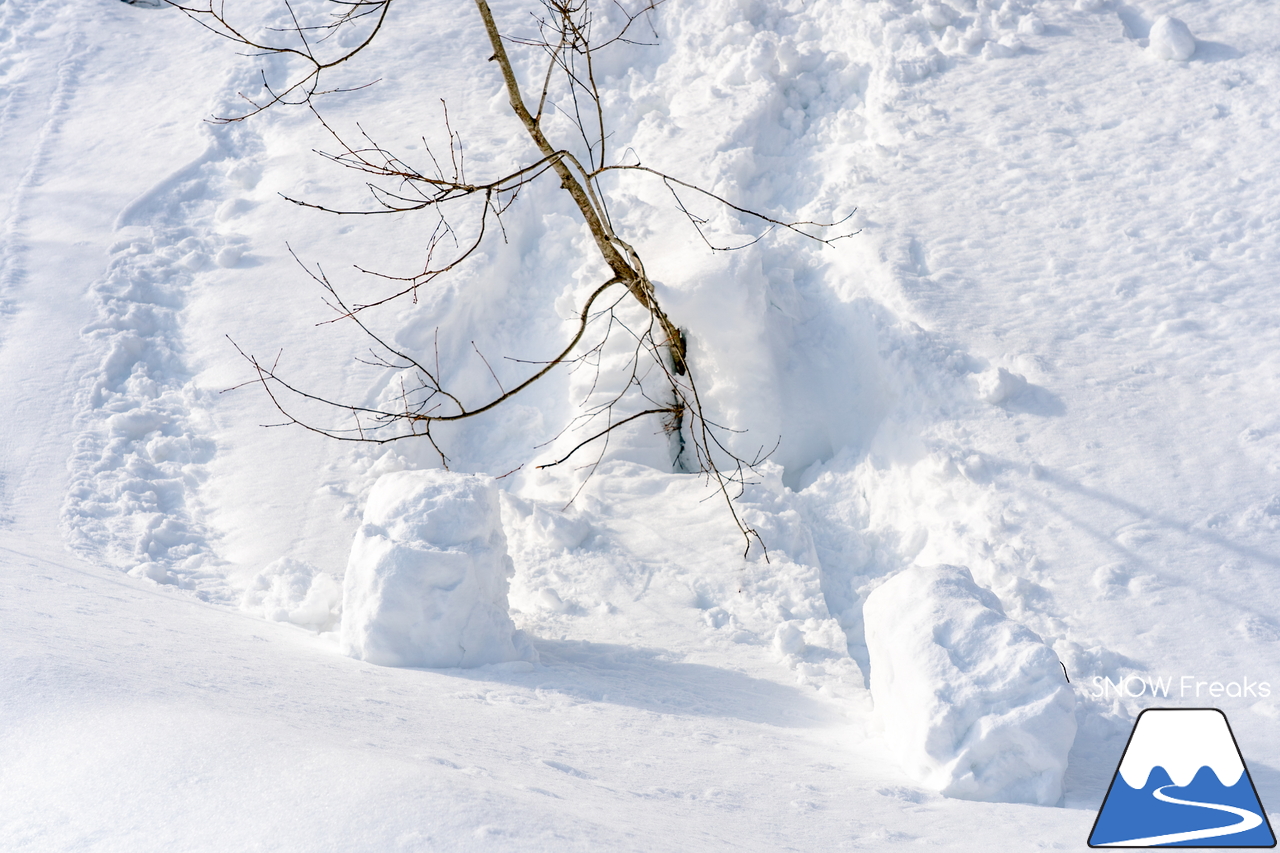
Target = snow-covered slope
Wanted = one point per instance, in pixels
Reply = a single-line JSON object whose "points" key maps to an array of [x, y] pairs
{"points": [[1050, 356]]}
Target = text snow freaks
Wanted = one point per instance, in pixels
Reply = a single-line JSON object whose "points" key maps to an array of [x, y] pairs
{"points": [[1185, 687]]}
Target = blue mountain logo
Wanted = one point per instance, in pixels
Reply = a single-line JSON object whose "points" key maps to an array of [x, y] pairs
{"points": [[1182, 783]]}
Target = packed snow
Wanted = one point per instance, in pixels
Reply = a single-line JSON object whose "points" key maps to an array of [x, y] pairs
{"points": [[1045, 348], [973, 703], [426, 584], [1171, 39]]}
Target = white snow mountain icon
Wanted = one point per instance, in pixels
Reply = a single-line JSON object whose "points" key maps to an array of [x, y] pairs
{"points": [[1182, 783]]}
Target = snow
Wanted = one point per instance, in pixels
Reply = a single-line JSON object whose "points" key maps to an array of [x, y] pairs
{"points": [[999, 385], [1171, 39], [973, 704], [290, 590], [1049, 355], [426, 584]]}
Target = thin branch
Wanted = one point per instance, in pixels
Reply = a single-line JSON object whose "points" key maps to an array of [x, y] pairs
{"points": [[795, 226], [307, 86], [611, 427], [486, 364]]}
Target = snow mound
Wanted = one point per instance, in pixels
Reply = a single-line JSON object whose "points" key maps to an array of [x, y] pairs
{"points": [[1171, 39], [290, 590], [974, 704], [999, 385], [426, 583]]}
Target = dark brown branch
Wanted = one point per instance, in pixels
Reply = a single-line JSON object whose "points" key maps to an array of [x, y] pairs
{"points": [[413, 418], [610, 428]]}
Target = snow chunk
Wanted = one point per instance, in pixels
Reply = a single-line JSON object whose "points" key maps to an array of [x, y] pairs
{"points": [[290, 590], [229, 256], [426, 583], [937, 15], [999, 385], [1171, 39], [1003, 49], [974, 704], [789, 639], [154, 572]]}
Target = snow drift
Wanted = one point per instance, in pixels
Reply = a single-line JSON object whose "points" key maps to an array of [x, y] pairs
{"points": [[974, 704], [426, 584]]}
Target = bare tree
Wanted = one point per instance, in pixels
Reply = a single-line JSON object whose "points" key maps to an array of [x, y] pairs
{"points": [[567, 35]]}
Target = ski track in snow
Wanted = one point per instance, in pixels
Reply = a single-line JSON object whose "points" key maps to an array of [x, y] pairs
{"points": [[138, 460], [144, 446], [18, 88]]}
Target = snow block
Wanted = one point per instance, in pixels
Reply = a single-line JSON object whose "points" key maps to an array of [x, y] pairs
{"points": [[1171, 39], [426, 583], [1000, 386], [974, 704]]}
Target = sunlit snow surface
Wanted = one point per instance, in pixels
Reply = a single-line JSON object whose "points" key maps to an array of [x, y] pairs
{"points": [[1050, 356]]}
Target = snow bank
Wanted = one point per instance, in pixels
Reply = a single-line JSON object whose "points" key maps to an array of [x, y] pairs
{"points": [[1171, 39], [426, 584], [974, 704]]}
